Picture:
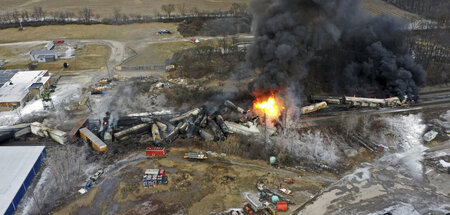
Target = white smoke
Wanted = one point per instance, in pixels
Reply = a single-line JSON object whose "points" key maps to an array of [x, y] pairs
{"points": [[314, 146], [405, 148]]}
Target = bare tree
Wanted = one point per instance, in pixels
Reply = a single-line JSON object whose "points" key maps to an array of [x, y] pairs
{"points": [[116, 15], [195, 11], [24, 15], [238, 8], [38, 13], [15, 16], [168, 8], [182, 9], [86, 15]]}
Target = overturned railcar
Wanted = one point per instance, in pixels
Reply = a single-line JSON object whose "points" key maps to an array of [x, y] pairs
{"points": [[91, 138]]}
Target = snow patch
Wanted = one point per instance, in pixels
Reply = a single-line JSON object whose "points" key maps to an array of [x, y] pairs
{"points": [[444, 164], [398, 209], [316, 146], [406, 148], [359, 175], [63, 95]]}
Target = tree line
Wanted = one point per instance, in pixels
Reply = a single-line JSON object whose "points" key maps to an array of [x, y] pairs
{"points": [[432, 9], [167, 12]]}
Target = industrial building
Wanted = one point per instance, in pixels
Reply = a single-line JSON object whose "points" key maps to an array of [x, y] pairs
{"points": [[44, 55], [22, 87], [18, 166]]}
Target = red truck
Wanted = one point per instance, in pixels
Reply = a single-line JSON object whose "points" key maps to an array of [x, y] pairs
{"points": [[155, 151], [58, 41]]}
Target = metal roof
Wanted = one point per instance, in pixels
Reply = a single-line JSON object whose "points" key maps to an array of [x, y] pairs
{"points": [[5, 75], [16, 162], [16, 88], [43, 52], [36, 85]]}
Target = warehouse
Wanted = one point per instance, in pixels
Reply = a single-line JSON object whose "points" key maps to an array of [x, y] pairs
{"points": [[22, 87], [18, 166]]}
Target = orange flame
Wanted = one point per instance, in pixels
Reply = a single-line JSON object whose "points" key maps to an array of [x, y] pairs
{"points": [[268, 108]]}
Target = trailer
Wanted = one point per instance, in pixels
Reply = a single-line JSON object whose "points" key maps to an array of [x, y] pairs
{"points": [[155, 151], [154, 177], [193, 155], [91, 138]]}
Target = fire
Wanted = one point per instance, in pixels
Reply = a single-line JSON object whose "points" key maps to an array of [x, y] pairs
{"points": [[268, 108]]}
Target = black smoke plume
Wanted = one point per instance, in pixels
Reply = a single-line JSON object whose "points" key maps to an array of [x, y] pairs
{"points": [[356, 53]]}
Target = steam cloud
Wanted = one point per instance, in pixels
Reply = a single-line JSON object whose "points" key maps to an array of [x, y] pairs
{"points": [[356, 53]]}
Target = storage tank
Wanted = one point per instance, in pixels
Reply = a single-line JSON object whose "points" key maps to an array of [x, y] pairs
{"points": [[275, 199], [273, 160], [282, 206]]}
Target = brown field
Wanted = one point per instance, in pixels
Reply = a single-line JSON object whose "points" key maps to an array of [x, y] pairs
{"points": [[17, 53], [198, 187], [105, 8], [377, 7], [157, 53], [104, 32]]}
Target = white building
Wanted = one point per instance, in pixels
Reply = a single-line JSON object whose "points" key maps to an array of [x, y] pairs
{"points": [[43, 55], [22, 87], [18, 166]]}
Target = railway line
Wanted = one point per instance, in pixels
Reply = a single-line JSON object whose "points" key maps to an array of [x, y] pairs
{"points": [[428, 101]]}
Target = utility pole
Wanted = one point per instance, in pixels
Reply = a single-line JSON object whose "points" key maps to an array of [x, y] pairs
{"points": [[265, 128], [107, 70]]}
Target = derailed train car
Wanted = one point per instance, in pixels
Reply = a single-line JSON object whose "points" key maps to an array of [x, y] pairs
{"points": [[353, 101], [90, 137], [369, 102]]}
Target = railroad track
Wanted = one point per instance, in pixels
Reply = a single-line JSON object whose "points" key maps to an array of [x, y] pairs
{"points": [[429, 101]]}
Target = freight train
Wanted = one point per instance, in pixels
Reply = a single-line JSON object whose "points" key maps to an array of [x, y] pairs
{"points": [[353, 101]]}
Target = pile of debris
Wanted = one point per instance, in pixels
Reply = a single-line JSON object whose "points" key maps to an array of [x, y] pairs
{"points": [[36, 128], [196, 123]]}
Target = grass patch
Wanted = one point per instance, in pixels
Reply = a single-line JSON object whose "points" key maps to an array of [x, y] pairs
{"points": [[377, 7], [90, 57], [17, 52], [157, 53], [130, 32]]}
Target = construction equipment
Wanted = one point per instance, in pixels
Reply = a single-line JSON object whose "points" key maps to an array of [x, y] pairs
{"points": [[47, 100], [198, 156]]}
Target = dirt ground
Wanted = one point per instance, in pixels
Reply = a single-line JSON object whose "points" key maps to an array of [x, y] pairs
{"points": [[195, 187]]}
